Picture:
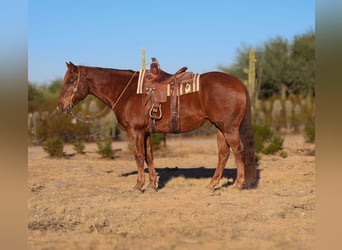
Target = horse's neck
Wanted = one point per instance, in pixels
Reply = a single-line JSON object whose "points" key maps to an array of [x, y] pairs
{"points": [[107, 84]]}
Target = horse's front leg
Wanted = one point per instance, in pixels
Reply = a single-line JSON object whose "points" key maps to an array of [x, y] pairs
{"points": [[137, 140], [149, 161]]}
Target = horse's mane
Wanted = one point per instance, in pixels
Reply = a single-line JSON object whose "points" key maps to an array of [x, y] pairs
{"points": [[106, 69]]}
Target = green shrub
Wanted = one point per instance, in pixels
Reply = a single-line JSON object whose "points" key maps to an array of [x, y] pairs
{"points": [[156, 139], [283, 154], [105, 148], [310, 133], [54, 147], [265, 140], [79, 147], [274, 145]]}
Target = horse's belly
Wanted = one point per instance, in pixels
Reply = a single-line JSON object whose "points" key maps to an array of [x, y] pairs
{"points": [[188, 120], [188, 112]]}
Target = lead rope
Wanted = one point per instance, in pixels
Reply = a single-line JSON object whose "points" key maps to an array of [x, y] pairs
{"points": [[91, 119], [78, 117]]}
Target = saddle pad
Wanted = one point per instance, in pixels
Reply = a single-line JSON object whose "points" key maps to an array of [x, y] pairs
{"points": [[141, 81], [186, 87]]}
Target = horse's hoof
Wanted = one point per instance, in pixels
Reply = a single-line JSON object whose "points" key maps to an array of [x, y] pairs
{"points": [[151, 189], [238, 185], [212, 186], [137, 190]]}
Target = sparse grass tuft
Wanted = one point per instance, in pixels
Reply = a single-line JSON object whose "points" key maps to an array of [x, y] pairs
{"points": [[156, 139], [265, 140], [54, 147], [105, 148], [310, 133], [79, 147]]}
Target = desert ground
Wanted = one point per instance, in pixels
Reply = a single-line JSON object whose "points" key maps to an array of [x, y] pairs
{"points": [[84, 201]]}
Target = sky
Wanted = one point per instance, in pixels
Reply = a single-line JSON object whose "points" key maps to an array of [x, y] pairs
{"points": [[198, 34]]}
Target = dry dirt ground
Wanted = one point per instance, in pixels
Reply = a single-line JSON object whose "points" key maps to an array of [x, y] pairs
{"points": [[87, 202]]}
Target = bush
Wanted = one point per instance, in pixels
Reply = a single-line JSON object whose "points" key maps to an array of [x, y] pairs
{"points": [[105, 148], [54, 147], [156, 139], [265, 140], [309, 133], [79, 147], [274, 145], [59, 125]]}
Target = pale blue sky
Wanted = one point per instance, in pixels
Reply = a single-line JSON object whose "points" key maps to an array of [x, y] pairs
{"points": [[197, 34]]}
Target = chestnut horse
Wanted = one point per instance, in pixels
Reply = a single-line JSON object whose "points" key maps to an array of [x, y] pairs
{"points": [[222, 99]]}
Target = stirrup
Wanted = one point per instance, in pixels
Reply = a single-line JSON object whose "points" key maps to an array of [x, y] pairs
{"points": [[155, 116]]}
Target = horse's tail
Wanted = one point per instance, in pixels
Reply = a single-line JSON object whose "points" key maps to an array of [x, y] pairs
{"points": [[246, 135]]}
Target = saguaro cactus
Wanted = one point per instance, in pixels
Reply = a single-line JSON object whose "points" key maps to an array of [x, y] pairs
{"points": [[252, 84], [288, 114], [251, 73], [143, 64]]}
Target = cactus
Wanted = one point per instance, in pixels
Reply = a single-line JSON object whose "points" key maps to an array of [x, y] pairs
{"points": [[252, 87], [93, 107], [251, 74], [276, 114], [143, 64], [288, 114], [35, 124]]}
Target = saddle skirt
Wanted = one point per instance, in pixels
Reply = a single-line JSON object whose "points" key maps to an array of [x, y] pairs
{"points": [[157, 87]]}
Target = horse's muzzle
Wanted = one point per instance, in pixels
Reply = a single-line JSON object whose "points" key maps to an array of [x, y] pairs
{"points": [[64, 109]]}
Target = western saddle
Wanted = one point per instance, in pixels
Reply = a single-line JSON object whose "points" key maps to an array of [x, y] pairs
{"points": [[161, 77], [158, 85]]}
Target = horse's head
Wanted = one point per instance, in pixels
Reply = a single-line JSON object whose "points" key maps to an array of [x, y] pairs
{"points": [[74, 88]]}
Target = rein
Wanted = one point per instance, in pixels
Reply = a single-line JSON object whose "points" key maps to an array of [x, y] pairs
{"points": [[78, 117], [123, 91], [90, 119]]}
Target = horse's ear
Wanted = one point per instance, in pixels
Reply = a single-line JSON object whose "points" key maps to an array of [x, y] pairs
{"points": [[70, 65]]}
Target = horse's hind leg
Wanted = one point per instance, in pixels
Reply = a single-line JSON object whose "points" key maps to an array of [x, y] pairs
{"points": [[149, 161], [233, 139], [223, 155]]}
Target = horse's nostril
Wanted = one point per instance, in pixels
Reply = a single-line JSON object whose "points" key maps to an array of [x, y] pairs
{"points": [[61, 108]]}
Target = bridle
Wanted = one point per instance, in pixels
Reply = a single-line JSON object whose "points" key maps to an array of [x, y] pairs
{"points": [[71, 104]]}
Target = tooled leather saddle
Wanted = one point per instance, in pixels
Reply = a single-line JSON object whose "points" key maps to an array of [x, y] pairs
{"points": [[157, 85]]}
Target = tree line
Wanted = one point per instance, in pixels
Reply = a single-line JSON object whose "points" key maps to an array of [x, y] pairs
{"points": [[280, 65]]}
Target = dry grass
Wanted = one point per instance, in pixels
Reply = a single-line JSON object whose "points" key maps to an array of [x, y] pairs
{"points": [[86, 202]]}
